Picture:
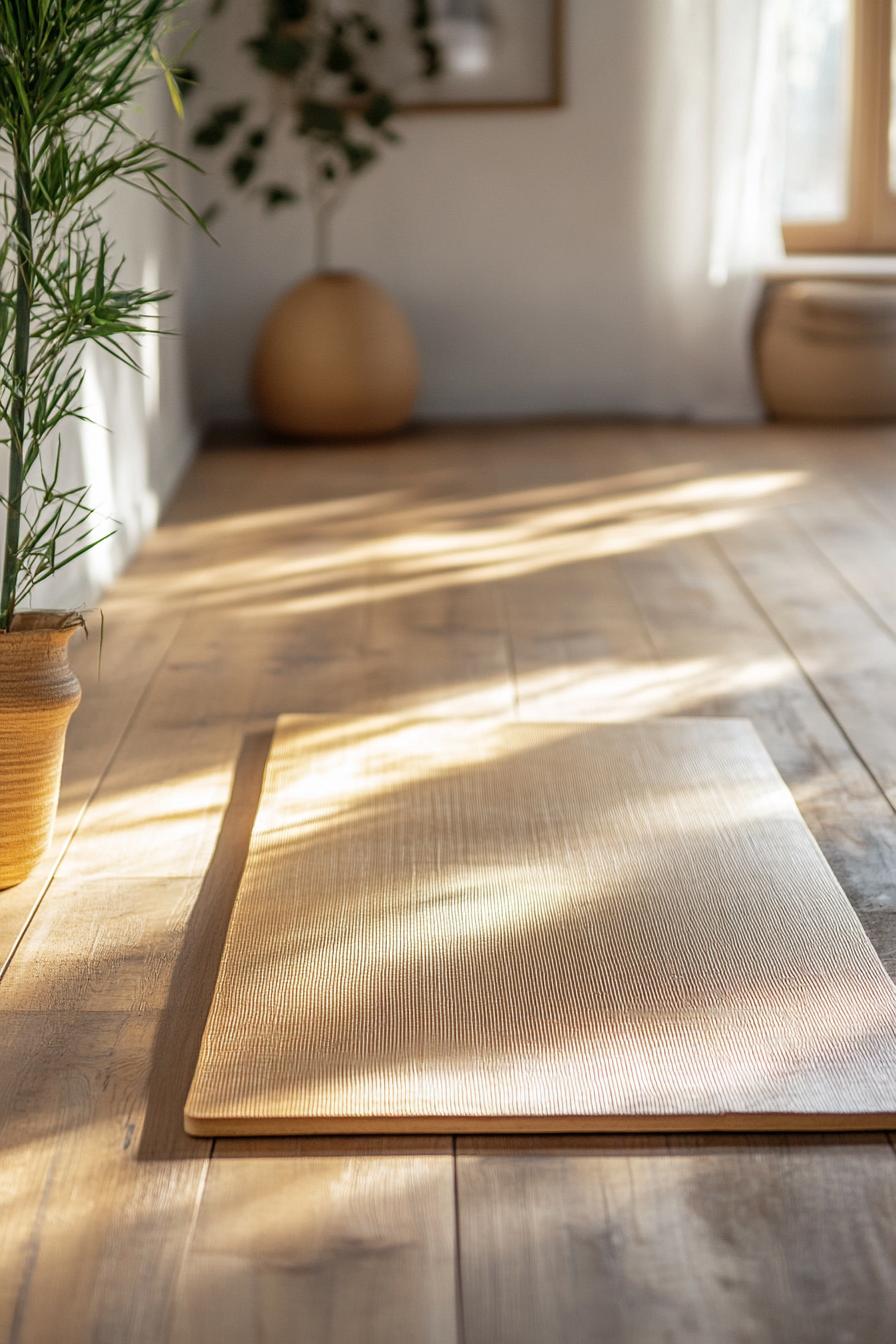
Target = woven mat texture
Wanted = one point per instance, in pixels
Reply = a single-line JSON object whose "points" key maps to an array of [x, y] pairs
{"points": [[466, 925]]}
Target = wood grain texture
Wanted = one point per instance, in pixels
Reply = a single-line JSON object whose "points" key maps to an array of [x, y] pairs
{"points": [[847, 653], [461, 926], [699, 1240], [721, 654], [312, 581], [133, 648], [91, 1240], [80, 1008], [349, 1243]]}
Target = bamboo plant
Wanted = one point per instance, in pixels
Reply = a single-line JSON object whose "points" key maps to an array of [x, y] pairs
{"points": [[69, 71]]}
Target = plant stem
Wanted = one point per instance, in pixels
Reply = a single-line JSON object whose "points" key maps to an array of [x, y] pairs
{"points": [[323, 219], [22, 155]]}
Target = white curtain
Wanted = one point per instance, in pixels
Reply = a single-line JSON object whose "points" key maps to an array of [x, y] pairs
{"points": [[715, 130]]}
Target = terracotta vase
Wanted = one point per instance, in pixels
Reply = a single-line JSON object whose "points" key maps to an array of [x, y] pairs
{"points": [[38, 695], [335, 359]]}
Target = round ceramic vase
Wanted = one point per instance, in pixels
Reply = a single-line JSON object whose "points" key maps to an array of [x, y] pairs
{"points": [[38, 695], [335, 359]]}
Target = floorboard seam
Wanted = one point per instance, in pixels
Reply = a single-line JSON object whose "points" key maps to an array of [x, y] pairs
{"points": [[509, 650], [27, 1275], [858, 490], [661, 662], [458, 1266], [188, 1244], [809, 679], [880, 621]]}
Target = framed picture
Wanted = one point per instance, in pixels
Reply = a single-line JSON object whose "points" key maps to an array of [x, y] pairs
{"points": [[495, 54]]}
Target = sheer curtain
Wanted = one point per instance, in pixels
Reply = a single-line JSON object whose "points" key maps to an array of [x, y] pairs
{"points": [[716, 109]]}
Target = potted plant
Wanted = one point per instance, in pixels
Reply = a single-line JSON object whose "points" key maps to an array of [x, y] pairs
{"points": [[68, 70], [336, 357]]}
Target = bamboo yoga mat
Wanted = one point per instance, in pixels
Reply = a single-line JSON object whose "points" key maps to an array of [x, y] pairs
{"points": [[462, 926]]}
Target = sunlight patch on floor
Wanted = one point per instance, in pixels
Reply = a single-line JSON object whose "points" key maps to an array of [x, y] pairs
{"points": [[161, 828], [279, 562], [613, 691]]}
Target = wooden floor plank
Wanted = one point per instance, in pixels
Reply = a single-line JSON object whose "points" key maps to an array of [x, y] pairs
{"points": [[856, 542], [441, 652], [579, 648], [69, 1162], [842, 648], [91, 1239], [568, 504], [862, 460], [330, 1243], [693, 1241], [112, 685]]}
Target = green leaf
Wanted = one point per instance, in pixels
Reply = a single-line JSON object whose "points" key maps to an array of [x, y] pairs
{"points": [[430, 57], [174, 92], [339, 58], [276, 195], [52, 181], [242, 167], [188, 79], [357, 155], [378, 111], [281, 55], [324, 120], [219, 124]]}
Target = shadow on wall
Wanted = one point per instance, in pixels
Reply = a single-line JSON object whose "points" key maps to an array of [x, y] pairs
{"points": [[139, 436]]}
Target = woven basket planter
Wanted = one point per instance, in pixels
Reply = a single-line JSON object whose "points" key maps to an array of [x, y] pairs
{"points": [[38, 695]]}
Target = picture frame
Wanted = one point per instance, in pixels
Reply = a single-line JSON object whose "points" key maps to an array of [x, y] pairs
{"points": [[496, 55]]}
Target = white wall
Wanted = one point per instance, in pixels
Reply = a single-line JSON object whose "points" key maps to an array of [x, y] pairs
{"points": [[516, 242]]}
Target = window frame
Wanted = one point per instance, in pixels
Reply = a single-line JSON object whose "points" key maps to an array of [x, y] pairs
{"points": [[870, 224]]}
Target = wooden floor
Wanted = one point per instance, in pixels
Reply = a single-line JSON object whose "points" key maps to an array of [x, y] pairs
{"points": [[543, 572]]}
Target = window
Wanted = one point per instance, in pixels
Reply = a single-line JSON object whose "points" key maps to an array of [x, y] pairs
{"points": [[840, 178]]}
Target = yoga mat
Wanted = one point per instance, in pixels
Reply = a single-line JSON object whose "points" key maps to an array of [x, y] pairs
{"points": [[453, 926]]}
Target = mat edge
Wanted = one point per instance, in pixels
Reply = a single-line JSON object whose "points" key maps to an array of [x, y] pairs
{"points": [[770, 1122]]}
